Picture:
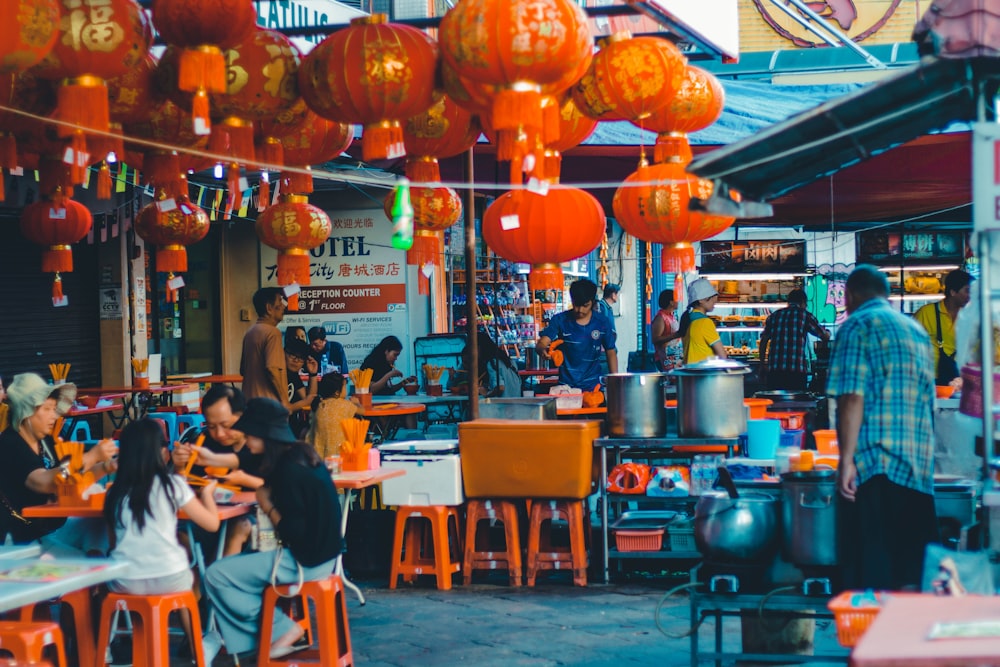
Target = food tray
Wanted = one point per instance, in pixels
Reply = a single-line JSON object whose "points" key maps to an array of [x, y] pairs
{"points": [[852, 618]]}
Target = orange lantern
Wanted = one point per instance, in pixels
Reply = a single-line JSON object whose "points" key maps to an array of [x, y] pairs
{"points": [[443, 130], [630, 78], [56, 223], [655, 209], [171, 222], [27, 93], [544, 230], [202, 30], [434, 210], [526, 50], [27, 34], [696, 105], [293, 227], [314, 140], [98, 40], [373, 73]]}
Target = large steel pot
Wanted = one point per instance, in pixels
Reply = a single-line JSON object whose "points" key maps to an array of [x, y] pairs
{"points": [[736, 530], [809, 517], [710, 399], [636, 405]]}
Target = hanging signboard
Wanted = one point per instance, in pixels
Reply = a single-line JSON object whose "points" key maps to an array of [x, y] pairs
{"points": [[894, 248], [358, 290], [753, 256]]}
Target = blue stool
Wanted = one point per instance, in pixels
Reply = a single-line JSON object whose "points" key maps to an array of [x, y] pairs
{"points": [[170, 419], [190, 420], [79, 432]]}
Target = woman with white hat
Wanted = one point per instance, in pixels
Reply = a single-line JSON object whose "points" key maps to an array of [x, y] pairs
{"points": [[701, 339], [30, 468]]}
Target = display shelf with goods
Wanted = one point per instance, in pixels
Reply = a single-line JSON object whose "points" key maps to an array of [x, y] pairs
{"points": [[913, 287], [503, 306]]}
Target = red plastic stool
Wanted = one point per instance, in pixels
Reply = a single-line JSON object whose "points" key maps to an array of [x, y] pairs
{"points": [[542, 555], [478, 552], [80, 603], [150, 632], [432, 542], [27, 641], [332, 640]]}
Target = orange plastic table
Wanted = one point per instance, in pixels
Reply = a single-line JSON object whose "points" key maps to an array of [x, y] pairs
{"points": [[137, 403], [119, 401], [386, 421]]}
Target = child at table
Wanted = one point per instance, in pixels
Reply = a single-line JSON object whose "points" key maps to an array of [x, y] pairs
{"points": [[329, 408], [141, 511]]}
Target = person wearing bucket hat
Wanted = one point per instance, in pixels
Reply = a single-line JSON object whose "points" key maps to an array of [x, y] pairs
{"points": [[299, 498], [698, 333], [28, 476]]}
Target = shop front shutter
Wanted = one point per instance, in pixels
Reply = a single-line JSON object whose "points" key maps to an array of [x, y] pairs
{"points": [[33, 333]]}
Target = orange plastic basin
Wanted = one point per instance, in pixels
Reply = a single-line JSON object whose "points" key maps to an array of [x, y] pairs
{"points": [[826, 441], [758, 407]]}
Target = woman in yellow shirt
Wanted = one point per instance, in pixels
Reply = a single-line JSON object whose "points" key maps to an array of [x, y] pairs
{"points": [[698, 333]]}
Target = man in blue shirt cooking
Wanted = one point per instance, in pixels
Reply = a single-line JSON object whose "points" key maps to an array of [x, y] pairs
{"points": [[584, 334]]}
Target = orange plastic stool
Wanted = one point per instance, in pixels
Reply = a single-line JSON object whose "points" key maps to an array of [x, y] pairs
{"points": [[542, 555], [80, 603], [332, 633], [27, 641], [150, 638], [478, 555], [417, 550]]}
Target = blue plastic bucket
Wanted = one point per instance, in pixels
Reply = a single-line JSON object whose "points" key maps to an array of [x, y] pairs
{"points": [[762, 438]]}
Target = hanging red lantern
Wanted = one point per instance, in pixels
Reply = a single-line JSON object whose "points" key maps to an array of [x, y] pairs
{"points": [[27, 33], [314, 141], [544, 230], [630, 78], [653, 205], [293, 227], [98, 40], [443, 130], [434, 210], [56, 223], [203, 30], [375, 74], [171, 222], [525, 50], [134, 95], [25, 92], [696, 105]]}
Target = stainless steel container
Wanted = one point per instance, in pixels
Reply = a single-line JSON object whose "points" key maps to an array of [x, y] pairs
{"points": [[736, 530], [710, 399], [539, 407], [636, 405], [809, 517]]}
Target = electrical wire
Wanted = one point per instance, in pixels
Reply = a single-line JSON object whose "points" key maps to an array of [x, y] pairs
{"points": [[659, 606]]}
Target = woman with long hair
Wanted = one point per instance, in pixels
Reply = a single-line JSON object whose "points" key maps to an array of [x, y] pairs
{"points": [[382, 361], [299, 499], [497, 375], [141, 512]]}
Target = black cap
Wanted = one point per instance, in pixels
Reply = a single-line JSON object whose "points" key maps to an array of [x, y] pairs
{"points": [[297, 348], [267, 419]]}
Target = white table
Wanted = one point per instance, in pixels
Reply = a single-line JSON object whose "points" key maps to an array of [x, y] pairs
{"points": [[19, 551], [94, 571]]}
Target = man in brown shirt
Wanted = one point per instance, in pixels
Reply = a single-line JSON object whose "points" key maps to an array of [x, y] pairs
{"points": [[263, 362]]}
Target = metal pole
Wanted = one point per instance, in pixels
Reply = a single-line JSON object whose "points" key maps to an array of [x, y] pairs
{"points": [[471, 309], [847, 41]]}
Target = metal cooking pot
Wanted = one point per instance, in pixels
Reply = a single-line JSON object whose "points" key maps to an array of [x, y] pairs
{"points": [[785, 396], [636, 405], [710, 399], [809, 517], [736, 530]]}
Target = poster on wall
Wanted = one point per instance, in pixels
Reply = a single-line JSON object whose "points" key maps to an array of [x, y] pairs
{"points": [[358, 290]]}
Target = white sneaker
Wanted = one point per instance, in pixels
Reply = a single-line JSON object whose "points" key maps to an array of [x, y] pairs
{"points": [[211, 643]]}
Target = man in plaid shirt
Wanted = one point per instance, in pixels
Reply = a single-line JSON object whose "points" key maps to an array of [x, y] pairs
{"points": [[882, 374], [784, 360]]}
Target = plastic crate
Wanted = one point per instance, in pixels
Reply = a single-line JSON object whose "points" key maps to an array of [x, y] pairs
{"points": [[639, 540], [682, 537], [852, 618]]}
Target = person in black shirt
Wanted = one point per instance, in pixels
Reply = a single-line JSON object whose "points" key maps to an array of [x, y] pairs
{"points": [[299, 498], [382, 361]]}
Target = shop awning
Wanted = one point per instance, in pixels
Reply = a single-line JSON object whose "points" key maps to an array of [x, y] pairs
{"points": [[839, 133]]}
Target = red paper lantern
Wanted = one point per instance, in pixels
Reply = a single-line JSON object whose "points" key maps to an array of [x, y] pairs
{"points": [[696, 105], [434, 210], [372, 73], [134, 96], [27, 33], [98, 40], [526, 50], [314, 141], [444, 130], [203, 30], [630, 78], [544, 230], [293, 227], [171, 223], [27, 93], [655, 209], [167, 124], [261, 77], [56, 223]]}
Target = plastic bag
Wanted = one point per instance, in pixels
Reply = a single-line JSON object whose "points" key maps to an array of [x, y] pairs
{"points": [[948, 572], [631, 478], [669, 481]]}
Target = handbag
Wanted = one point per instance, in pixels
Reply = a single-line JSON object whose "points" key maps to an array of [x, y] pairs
{"points": [[947, 367], [264, 537]]}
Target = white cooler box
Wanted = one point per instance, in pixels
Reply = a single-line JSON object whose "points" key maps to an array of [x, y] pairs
{"points": [[433, 473]]}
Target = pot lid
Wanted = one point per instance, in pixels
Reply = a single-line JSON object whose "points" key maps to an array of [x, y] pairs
{"points": [[712, 365], [815, 475], [786, 396]]}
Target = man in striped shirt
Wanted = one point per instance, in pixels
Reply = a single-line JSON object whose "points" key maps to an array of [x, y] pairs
{"points": [[882, 374], [786, 330]]}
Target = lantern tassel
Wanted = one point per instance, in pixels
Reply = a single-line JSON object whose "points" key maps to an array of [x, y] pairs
{"points": [[84, 103], [78, 168], [200, 120], [382, 141], [8, 151], [518, 108], [293, 267], [423, 169], [294, 182], [263, 195], [546, 277], [57, 290], [104, 181], [233, 181], [678, 258], [57, 259], [202, 71], [171, 258]]}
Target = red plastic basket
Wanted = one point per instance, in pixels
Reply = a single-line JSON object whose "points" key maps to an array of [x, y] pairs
{"points": [[639, 540]]}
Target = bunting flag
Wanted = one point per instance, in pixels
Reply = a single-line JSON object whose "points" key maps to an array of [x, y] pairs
{"points": [[120, 178], [245, 203], [86, 180], [201, 196]]}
